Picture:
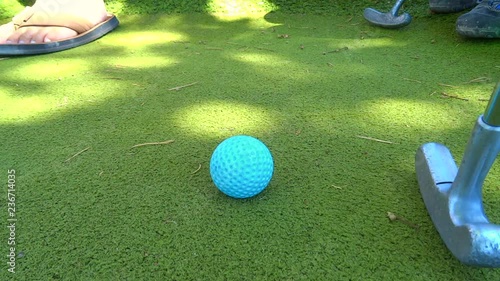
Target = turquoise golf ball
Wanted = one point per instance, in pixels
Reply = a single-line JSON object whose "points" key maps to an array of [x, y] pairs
{"points": [[241, 166]]}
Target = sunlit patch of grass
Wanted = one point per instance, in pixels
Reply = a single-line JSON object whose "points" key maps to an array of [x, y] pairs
{"points": [[37, 70], [223, 118], [21, 105], [9, 8], [238, 7], [23, 108], [144, 39], [146, 61], [414, 114]]}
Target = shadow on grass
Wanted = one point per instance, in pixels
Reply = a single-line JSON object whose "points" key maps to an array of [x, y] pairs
{"points": [[306, 86]]}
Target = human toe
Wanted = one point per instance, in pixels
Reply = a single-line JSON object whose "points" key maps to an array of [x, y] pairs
{"points": [[23, 37], [5, 31]]}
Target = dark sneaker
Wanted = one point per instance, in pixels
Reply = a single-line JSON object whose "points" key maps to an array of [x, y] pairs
{"points": [[482, 22], [451, 6]]}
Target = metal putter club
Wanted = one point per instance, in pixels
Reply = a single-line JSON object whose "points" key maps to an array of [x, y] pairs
{"points": [[453, 196], [390, 19]]}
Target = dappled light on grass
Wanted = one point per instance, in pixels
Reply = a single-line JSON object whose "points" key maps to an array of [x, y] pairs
{"points": [[22, 108], [322, 68], [378, 43], [224, 118], [251, 20], [238, 7], [37, 90], [261, 60], [143, 39], [414, 114], [34, 87], [37, 70], [146, 62]]}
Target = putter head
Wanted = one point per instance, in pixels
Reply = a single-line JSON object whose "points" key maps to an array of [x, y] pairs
{"points": [[458, 217], [386, 20]]}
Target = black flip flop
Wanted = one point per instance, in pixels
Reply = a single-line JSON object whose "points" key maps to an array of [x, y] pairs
{"points": [[88, 36]]}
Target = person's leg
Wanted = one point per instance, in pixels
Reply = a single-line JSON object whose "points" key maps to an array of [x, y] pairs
{"points": [[93, 11], [450, 6], [482, 22]]}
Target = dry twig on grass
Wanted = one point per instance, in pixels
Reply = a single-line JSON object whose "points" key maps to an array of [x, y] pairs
{"points": [[393, 217], [336, 50], [197, 170], [336, 187], [76, 154], [479, 80], [446, 85], [153, 143], [446, 95], [183, 86], [170, 221], [374, 139]]}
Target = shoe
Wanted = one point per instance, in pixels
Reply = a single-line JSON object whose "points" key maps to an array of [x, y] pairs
{"points": [[451, 6], [482, 22], [86, 33]]}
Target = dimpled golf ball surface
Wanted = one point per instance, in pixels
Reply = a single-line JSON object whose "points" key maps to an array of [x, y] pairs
{"points": [[241, 166]]}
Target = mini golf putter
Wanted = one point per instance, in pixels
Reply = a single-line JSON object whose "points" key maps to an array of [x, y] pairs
{"points": [[453, 197], [390, 19]]}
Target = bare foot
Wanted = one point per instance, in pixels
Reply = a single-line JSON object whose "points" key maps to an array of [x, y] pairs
{"points": [[92, 10]]}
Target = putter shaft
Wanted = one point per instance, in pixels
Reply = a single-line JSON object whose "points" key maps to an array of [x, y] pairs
{"points": [[492, 112]]}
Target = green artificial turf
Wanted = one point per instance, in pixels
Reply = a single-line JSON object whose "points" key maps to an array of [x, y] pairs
{"points": [[308, 84]]}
